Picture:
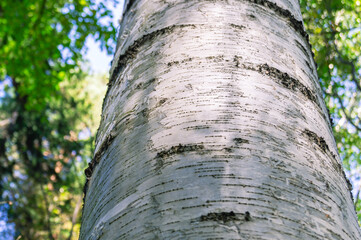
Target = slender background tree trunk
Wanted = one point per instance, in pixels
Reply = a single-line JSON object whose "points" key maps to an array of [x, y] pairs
{"points": [[214, 127]]}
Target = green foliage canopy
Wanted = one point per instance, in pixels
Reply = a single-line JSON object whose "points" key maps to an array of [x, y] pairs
{"points": [[42, 43]]}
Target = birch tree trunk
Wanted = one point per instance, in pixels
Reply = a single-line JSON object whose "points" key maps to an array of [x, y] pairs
{"points": [[214, 127]]}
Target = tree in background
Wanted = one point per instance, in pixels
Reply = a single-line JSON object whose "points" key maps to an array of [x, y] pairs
{"points": [[214, 126], [335, 35], [46, 115]]}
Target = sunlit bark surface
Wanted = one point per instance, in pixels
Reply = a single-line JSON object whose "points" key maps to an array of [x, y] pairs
{"points": [[214, 127]]}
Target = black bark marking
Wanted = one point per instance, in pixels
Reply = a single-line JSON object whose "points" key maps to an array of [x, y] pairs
{"points": [[180, 149], [179, 62], [228, 150], [239, 27], [300, 46], [251, 16], [133, 50], [247, 216], [161, 102], [222, 216], [89, 171], [173, 63], [236, 60], [240, 140], [286, 81], [296, 24], [129, 5], [144, 113], [217, 58], [321, 143]]}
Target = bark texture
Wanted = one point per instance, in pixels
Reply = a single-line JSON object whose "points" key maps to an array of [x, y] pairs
{"points": [[214, 127]]}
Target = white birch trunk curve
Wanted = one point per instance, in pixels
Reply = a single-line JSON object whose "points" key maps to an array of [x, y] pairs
{"points": [[214, 127]]}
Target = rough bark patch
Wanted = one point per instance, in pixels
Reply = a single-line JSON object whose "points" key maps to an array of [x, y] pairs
{"points": [[283, 79], [179, 149], [287, 81], [321, 143], [145, 85], [94, 162], [296, 24], [132, 51]]}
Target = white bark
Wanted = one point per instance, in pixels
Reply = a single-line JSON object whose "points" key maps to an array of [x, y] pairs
{"points": [[214, 127]]}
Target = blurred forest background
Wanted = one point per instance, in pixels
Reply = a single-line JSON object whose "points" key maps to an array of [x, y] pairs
{"points": [[50, 102]]}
